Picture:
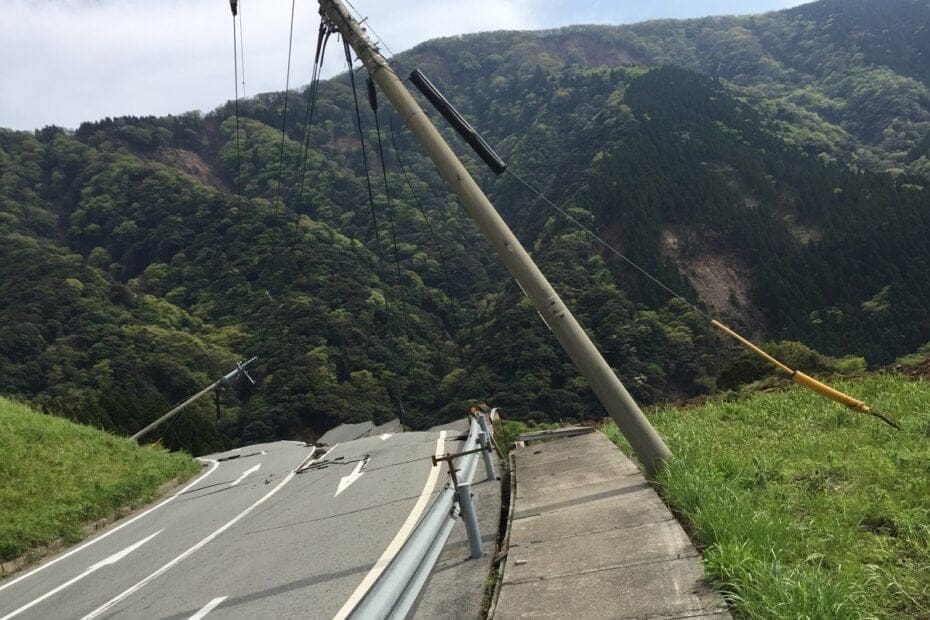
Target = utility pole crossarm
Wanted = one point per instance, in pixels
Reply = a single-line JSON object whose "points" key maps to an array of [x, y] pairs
{"points": [[649, 447]]}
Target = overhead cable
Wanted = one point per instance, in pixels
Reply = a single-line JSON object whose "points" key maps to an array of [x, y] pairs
{"points": [[233, 5], [287, 87], [374, 217], [373, 99], [437, 244], [312, 92]]}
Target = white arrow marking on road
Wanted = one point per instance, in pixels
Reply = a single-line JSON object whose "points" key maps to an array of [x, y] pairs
{"points": [[208, 608], [386, 435], [246, 474], [355, 475], [113, 559], [116, 557], [186, 554], [399, 539]]}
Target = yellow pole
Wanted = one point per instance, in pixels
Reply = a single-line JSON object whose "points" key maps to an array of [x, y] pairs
{"points": [[750, 345], [806, 380]]}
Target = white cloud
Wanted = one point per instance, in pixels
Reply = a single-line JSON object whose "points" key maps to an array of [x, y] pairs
{"points": [[72, 61], [67, 61]]}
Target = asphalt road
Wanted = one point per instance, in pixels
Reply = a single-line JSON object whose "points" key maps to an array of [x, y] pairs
{"points": [[248, 538]]}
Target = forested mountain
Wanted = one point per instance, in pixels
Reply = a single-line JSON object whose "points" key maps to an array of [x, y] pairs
{"points": [[840, 78], [770, 168]]}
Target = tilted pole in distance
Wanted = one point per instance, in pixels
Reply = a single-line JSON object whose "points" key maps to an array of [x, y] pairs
{"points": [[649, 447], [227, 378], [176, 410]]}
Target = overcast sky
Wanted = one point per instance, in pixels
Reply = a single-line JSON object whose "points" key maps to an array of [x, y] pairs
{"points": [[66, 61]]}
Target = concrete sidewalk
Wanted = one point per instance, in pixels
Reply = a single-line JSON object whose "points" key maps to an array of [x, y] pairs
{"points": [[591, 539]]}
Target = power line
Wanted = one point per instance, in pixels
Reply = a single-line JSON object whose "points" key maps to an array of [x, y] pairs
{"points": [[312, 92], [374, 216], [373, 99], [436, 241], [368, 27], [236, 85], [241, 49], [604, 243], [287, 86], [361, 137]]}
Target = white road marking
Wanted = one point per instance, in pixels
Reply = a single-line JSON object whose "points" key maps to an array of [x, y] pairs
{"points": [[113, 559], [246, 474], [119, 555], [386, 435], [171, 564], [399, 539], [56, 560], [208, 608], [309, 458], [355, 475]]}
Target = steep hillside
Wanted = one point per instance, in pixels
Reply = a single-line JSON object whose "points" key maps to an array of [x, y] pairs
{"points": [[133, 273], [59, 476]]}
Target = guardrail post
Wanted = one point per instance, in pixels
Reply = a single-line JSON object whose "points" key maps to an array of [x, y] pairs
{"points": [[463, 487], [483, 423], [488, 457], [463, 494], [488, 428]]}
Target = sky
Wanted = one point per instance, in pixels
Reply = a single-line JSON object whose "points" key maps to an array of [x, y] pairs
{"points": [[69, 61]]}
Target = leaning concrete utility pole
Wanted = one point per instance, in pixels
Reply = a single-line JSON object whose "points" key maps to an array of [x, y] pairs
{"points": [[227, 378], [649, 447]]}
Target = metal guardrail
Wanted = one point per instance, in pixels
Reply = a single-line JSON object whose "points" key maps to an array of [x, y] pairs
{"points": [[395, 592]]}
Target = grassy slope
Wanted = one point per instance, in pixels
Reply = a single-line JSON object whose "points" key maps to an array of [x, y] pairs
{"points": [[805, 509], [56, 476]]}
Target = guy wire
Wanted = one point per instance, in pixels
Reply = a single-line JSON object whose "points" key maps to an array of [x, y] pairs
{"points": [[604, 243]]}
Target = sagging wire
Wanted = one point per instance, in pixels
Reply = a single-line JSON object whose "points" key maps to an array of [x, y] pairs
{"points": [[312, 91], [323, 35], [604, 243], [437, 245], [287, 87], [361, 137], [374, 216], [234, 7], [373, 100], [241, 49]]}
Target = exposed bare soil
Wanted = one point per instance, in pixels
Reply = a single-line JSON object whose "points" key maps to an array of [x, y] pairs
{"points": [[192, 166]]}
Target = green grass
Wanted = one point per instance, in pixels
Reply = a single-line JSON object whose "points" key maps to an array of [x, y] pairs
{"points": [[507, 431], [56, 476], [805, 509]]}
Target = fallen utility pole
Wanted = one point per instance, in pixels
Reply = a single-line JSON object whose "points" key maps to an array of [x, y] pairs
{"points": [[227, 378], [649, 447]]}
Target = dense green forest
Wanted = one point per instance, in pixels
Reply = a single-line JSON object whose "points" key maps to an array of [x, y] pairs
{"points": [[770, 168]]}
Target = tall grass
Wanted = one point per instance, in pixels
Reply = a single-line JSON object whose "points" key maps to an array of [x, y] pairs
{"points": [[56, 476], [806, 509]]}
